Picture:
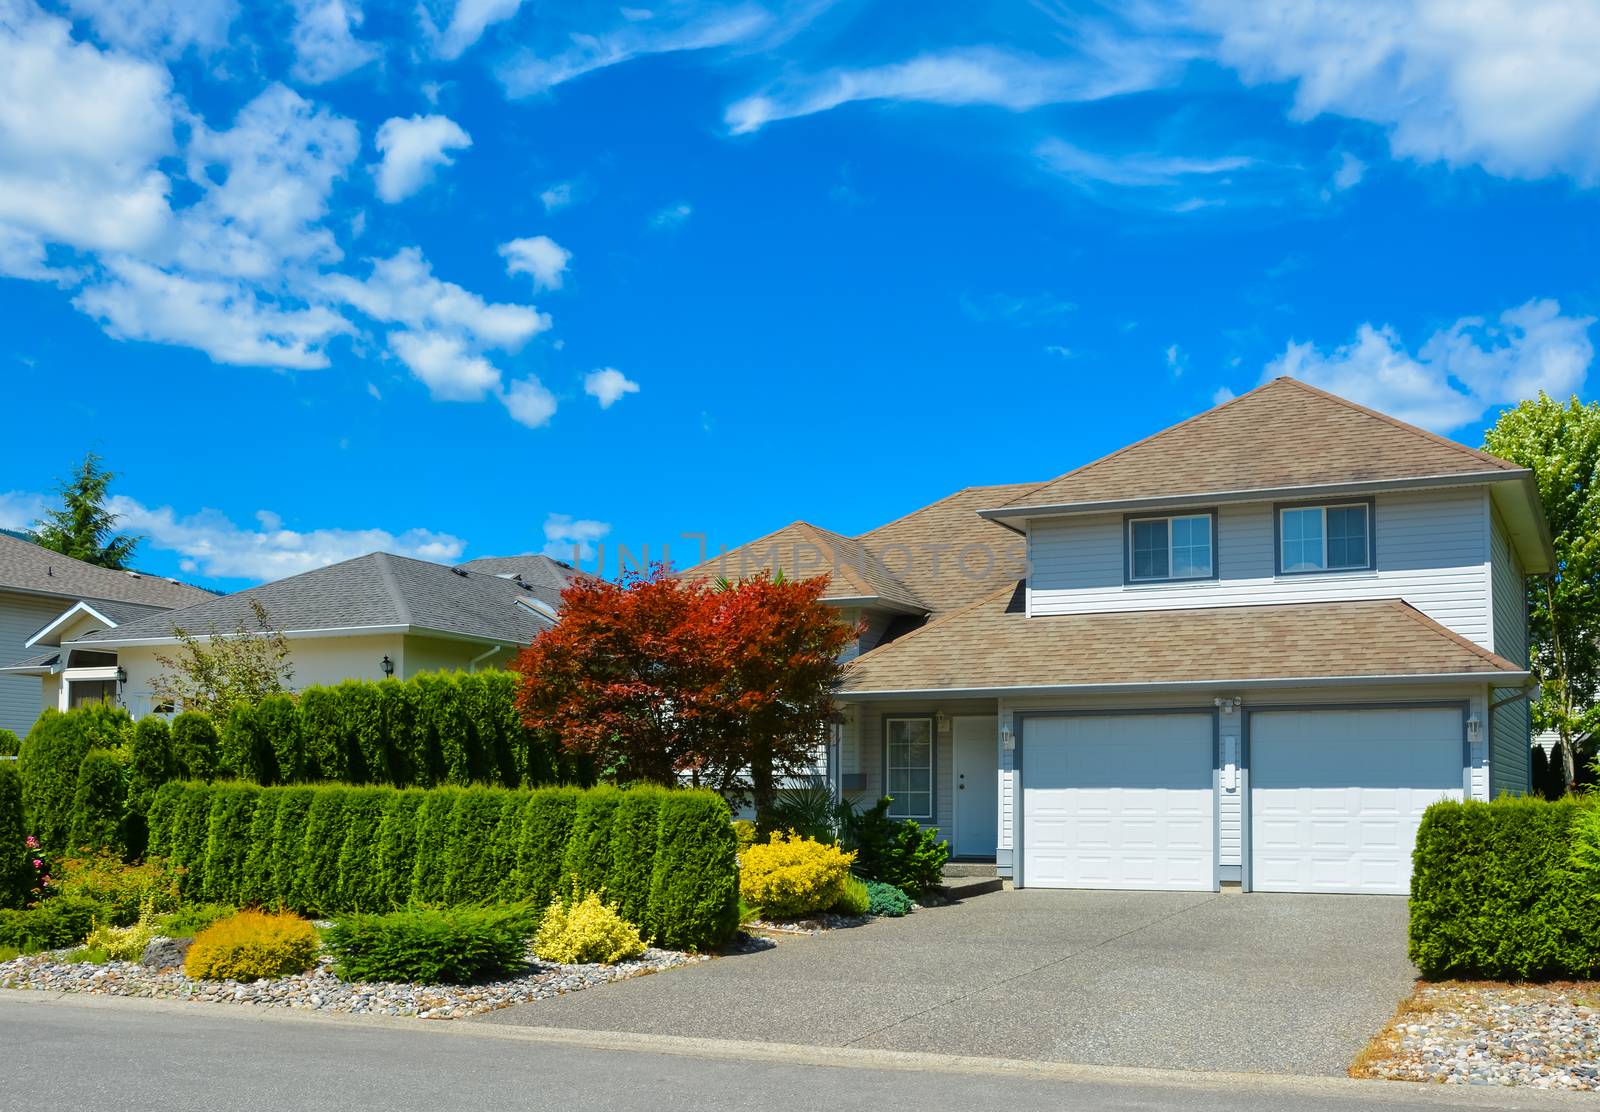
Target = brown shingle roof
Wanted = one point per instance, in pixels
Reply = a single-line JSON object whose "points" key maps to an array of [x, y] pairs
{"points": [[949, 555], [993, 645], [804, 551], [1258, 441], [25, 566]]}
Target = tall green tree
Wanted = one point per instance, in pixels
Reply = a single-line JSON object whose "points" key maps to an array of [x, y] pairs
{"points": [[1561, 444], [82, 527]]}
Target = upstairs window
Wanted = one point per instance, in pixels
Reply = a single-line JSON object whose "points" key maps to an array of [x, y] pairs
{"points": [[1325, 538], [1168, 548]]}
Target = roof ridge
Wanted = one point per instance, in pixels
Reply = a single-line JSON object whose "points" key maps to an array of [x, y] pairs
{"points": [[1465, 642], [940, 501], [856, 578], [392, 585], [1405, 426], [1143, 440]]}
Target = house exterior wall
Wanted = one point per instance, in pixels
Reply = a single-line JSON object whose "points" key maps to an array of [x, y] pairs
{"points": [[862, 746], [438, 654], [1510, 726], [1432, 551], [314, 661], [21, 616]]}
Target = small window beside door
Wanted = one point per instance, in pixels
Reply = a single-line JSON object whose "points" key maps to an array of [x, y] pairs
{"points": [[908, 767], [1335, 537]]}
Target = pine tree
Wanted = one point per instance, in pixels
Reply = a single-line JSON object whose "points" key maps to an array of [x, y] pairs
{"points": [[83, 527]]}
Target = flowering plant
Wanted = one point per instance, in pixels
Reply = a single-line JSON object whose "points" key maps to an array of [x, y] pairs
{"points": [[39, 869]]}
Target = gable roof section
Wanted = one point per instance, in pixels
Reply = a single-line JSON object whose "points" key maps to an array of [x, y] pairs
{"points": [[992, 646], [544, 578], [376, 592], [111, 614], [946, 553], [803, 551], [31, 569], [1262, 440]]}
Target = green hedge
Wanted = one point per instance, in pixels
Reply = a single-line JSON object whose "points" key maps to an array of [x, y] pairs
{"points": [[16, 875], [100, 804], [49, 760], [1496, 892], [437, 728], [338, 849]]}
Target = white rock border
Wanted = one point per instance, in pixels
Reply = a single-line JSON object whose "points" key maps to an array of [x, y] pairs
{"points": [[320, 990], [1464, 1033]]}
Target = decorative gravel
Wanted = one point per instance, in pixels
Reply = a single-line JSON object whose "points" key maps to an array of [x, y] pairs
{"points": [[320, 990], [816, 924], [1543, 1036]]}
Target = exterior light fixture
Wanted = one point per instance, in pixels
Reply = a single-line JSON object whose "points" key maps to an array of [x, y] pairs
{"points": [[387, 665], [122, 674], [1008, 740], [1474, 727]]}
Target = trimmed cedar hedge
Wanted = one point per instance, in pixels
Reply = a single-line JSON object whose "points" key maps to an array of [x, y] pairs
{"points": [[1500, 890], [458, 728], [667, 856]]}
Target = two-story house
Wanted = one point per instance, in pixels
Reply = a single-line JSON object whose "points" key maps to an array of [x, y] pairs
{"points": [[1250, 649]]}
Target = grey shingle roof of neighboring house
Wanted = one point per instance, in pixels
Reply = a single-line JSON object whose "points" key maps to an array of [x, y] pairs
{"points": [[379, 591], [34, 664], [26, 567], [546, 578]]}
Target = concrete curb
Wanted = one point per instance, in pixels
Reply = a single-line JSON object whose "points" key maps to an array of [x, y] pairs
{"points": [[1381, 1092]]}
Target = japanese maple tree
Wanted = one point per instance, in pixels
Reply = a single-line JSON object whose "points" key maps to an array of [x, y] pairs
{"points": [[657, 677]]}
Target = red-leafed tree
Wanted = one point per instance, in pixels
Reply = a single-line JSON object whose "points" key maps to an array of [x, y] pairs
{"points": [[656, 677]]}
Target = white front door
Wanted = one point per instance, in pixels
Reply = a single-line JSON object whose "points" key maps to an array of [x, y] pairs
{"points": [[1119, 801], [1336, 795], [977, 785]]}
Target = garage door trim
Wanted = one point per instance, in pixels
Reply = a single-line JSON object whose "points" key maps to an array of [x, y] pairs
{"points": [[1247, 850], [1019, 770]]}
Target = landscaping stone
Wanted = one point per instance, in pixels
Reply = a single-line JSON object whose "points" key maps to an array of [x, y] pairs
{"points": [[320, 990], [1542, 1036], [165, 953], [814, 924]]}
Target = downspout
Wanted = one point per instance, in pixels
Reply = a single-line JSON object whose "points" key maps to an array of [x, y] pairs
{"points": [[1530, 690], [472, 665]]}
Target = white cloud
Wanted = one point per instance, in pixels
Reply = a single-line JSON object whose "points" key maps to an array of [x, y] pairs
{"points": [[1511, 85], [1105, 65], [161, 27], [267, 181], [212, 544], [1176, 360], [608, 385], [447, 365], [23, 255], [1222, 395], [1023, 310], [412, 150], [403, 290], [572, 539], [558, 196], [1350, 172], [532, 72], [227, 320], [1459, 373], [325, 46], [468, 21], [529, 403], [1171, 182], [19, 509], [1059, 349], [539, 256], [672, 216], [81, 131]]}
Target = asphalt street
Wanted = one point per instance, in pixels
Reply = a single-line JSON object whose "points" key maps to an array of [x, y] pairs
{"points": [[74, 1054]]}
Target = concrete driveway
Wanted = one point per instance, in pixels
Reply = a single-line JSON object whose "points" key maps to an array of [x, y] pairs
{"points": [[1282, 984]]}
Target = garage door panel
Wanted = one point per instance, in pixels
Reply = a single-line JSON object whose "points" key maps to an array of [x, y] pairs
{"points": [[1336, 796], [1118, 802]]}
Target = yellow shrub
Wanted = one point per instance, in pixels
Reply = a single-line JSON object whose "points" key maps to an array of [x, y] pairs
{"points": [[251, 945], [586, 930], [790, 876], [125, 943], [744, 834]]}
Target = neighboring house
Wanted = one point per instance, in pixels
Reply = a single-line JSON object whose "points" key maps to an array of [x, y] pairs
{"points": [[365, 618], [1249, 649], [39, 589]]}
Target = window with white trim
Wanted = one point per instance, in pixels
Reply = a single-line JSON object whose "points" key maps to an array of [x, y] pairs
{"points": [[1166, 548], [908, 767], [1325, 538]]}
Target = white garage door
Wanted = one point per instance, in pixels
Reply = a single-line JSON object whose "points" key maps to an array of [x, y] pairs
{"points": [[1118, 801], [1336, 796]]}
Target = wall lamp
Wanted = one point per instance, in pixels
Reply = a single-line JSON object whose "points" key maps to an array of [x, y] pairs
{"points": [[387, 665]]}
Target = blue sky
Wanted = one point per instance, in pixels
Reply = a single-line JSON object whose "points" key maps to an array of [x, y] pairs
{"points": [[474, 277]]}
